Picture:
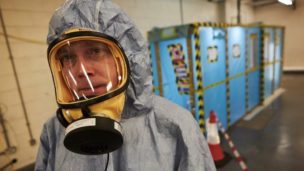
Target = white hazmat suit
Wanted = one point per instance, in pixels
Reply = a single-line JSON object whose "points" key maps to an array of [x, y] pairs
{"points": [[158, 135]]}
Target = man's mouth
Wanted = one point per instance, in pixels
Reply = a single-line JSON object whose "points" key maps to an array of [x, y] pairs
{"points": [[96, 90], [88, 88]]}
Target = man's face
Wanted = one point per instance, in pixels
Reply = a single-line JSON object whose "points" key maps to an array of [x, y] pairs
{"points": [[88, 68]]}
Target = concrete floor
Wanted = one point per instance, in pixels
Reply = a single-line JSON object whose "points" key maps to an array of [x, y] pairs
{"points": [[274, 139]]}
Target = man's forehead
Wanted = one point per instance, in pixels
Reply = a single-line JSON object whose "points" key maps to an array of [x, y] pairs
{"points": [[82, 44]]}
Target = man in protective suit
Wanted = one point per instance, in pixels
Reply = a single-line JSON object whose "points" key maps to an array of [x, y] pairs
{"points": [[108, 117]]}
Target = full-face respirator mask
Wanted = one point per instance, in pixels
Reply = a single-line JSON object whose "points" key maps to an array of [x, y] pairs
{"points": [[90, 74]]}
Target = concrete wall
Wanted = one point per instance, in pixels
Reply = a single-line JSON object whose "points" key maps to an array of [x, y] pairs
{"points": [[247, 12], [293, 20], [160, 13], [27, 24]]}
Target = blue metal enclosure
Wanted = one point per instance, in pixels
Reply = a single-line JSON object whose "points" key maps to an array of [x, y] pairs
{"points": [[268, 61], [236, 60], [213, 59], [206, 67], [253, 66], [169, 59]]}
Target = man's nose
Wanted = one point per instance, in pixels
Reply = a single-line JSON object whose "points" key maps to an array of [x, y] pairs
{"points": [[84, 67]]}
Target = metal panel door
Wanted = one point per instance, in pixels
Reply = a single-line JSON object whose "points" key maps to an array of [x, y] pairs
{"points": [[237, 57], [268, 61], [212, 48], [175, 71], [253, 64]]}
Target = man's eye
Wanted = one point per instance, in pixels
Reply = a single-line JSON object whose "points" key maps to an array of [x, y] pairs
{"points": [[94, 51], [67, 59]]}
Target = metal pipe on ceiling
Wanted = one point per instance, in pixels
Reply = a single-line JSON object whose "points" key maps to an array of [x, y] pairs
{"points": [[238, 5], [181, 11]]}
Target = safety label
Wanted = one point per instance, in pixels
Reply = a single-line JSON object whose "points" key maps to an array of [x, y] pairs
{"points": [[80, 123], [117, 126]]}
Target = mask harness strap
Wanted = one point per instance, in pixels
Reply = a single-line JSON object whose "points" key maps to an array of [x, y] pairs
{"points": [[86, 112]]}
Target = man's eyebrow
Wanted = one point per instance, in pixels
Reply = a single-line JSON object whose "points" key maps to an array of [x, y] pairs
{"points": [[62, 50]]}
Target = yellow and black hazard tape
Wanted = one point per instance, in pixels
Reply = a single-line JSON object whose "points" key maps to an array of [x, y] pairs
{"points": [[271, 26], [151, 67], [246, 73], [212, 24], [214, 84], [207, 24], [227, 80], [199, 76], [230, 78], [223, 81], [262, 69], [178, 62], [282, 57], [191, 86], [159, 70]]}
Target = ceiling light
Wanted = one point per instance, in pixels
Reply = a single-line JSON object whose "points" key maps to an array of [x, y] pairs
{"points": [[286, 2]]}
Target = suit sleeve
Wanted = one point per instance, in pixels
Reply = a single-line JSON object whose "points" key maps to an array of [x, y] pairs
{"points": [[195, 151], [43, 151]]}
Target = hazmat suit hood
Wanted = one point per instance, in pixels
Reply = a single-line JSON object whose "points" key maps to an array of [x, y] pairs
{"points": [[106, 17]]}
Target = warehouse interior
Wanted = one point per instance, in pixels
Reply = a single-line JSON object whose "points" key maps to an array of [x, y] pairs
{"points": [[270, 140]]}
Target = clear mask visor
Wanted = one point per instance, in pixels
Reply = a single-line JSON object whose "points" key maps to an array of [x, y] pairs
{"points": [[85, 69]]}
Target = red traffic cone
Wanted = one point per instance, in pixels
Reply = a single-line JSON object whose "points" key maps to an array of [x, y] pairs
{"points": [[220, 158]]}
